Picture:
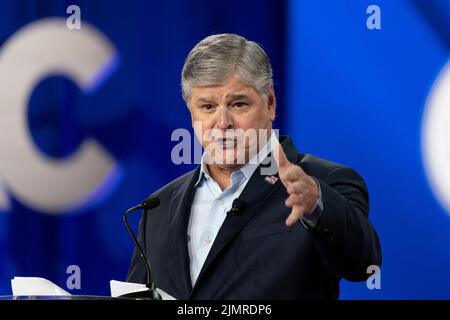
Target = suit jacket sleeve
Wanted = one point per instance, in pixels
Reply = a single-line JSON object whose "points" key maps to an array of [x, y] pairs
{"points": [[344, 236]]}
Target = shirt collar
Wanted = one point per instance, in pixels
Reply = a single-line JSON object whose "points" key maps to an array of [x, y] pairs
{"points": [[249, 168]]}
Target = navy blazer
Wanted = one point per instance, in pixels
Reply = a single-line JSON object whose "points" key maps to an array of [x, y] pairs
{"points": [[255, 255]]}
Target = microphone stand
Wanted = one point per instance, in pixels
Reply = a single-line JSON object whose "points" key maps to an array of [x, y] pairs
{"points": [[151, 293]]}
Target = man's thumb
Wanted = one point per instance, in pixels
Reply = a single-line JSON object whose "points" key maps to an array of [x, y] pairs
{"points": [[280, 157]]}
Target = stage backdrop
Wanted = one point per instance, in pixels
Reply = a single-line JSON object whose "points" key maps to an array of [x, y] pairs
{"points": [[95, 110], [365, 97], [86, 118]]}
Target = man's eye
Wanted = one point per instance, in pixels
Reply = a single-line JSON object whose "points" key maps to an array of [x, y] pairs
{"points": [[207, 107], [239, 104]]}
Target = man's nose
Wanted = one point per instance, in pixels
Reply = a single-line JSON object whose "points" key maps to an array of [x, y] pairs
{"points": [[225, 119]]}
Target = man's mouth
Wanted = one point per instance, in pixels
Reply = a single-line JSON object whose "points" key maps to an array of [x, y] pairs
{"points": [[226, 143]]}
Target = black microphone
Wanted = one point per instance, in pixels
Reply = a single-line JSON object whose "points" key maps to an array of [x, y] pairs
{"points": [[237, 207], [151, 293]]}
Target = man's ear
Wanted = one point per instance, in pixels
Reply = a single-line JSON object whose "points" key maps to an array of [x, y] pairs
{"points": [[271, 102]]}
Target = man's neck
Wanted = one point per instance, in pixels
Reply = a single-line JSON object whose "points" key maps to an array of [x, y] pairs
{"points": [[222, 175]]}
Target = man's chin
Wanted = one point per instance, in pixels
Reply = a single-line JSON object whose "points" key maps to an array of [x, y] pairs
{"points": [[228, 166], [228, 163]]}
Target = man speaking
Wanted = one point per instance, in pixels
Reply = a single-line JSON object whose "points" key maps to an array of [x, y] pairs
{"points": [[235, 228]]}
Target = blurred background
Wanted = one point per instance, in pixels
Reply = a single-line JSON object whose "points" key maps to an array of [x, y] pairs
{"points": [[108, 96]]}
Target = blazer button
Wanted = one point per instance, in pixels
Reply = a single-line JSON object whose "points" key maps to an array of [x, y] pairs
{"points": [[327, 233]]}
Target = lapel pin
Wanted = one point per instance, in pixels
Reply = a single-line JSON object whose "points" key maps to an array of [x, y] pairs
{"points": [[271, 179]]}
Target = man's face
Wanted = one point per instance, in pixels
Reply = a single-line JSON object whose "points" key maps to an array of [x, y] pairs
{"points": [[230, 120]]}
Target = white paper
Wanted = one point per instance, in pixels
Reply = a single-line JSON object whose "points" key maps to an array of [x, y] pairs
{"points": [[119, 288], [30, 286]]}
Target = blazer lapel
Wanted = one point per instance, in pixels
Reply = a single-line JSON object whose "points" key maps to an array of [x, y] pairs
{"points": [[178, 258]]}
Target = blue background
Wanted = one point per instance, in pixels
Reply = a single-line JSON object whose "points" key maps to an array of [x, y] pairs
{"points": [[345, 93]]}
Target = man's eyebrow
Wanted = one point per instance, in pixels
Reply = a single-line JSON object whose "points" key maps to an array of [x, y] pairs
{"points": [[204, 99], [236, 96], [229, 97]]}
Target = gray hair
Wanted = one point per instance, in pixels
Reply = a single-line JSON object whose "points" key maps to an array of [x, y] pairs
{"points": [[220, 56]]}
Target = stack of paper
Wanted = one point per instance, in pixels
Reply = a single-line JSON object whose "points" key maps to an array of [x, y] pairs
{"points": [[119, 288], [28, 286]]}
